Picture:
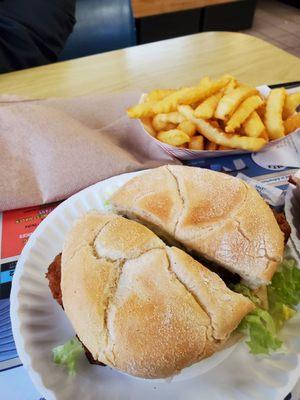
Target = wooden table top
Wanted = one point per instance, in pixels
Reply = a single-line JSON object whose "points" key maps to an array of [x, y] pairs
{"points": [[144, 8], [171, 63]]}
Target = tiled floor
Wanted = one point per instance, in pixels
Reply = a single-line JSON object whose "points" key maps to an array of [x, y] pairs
{"points": [[278, 24]]}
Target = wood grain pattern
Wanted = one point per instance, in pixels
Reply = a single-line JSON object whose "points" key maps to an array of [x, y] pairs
{"points": [[145, 8], [170, 63]]}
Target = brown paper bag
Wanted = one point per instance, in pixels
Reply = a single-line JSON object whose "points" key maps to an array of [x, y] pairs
{"points": [[50, 149]]}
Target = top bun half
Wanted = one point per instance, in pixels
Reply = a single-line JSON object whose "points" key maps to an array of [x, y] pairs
{"points": [[217, 216]]}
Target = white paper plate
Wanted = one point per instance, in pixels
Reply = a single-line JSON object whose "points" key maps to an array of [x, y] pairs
{"points": [[39, 324]]}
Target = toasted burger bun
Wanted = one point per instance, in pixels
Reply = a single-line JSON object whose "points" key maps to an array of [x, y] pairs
{"points": [[139, 306], [217, 216]]}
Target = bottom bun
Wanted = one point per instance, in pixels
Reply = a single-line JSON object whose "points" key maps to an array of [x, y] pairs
{"points": [[202, 366]]}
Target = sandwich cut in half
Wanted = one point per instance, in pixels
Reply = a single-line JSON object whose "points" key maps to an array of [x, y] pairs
{"points": [[138, 305], [212, 215]]}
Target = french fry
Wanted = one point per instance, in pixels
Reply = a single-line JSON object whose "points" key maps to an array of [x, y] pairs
{"points": [[146, 121], [242, 112], [221, 147], [188, 95], [206, 80], [219, 137], [141, 110], [160, 121], [159, 94], [174, 137], [230, 101], [145, 109], [211, 146], [196, 143], [253, 126], [230, 86], [264, 135], [273, 115], [291, 103], [170, 126], [188, 127], [214, 123], [207, 108], [292, 123], [261, 110]]}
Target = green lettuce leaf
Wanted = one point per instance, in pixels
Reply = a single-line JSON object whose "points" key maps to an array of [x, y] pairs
{"points": [[284, 292], [67, 354], [283, 295], [244, 290], [262, 333]]}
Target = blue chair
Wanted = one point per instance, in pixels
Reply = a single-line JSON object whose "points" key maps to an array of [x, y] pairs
{"points": [[102, 25]]}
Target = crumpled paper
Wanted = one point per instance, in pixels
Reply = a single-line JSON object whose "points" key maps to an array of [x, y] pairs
{"points": [[50, 149]]}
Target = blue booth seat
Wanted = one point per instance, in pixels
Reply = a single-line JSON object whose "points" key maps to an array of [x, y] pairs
{"points": [[102, 25]]}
